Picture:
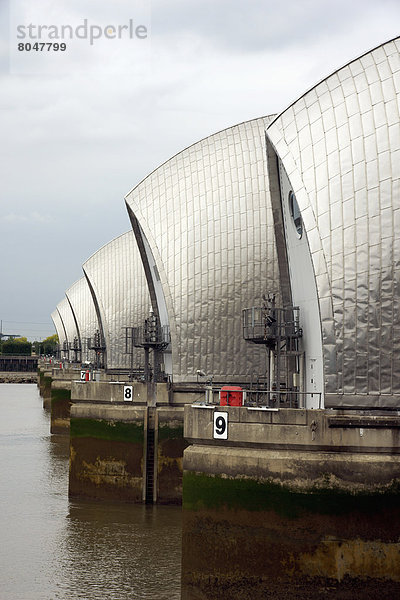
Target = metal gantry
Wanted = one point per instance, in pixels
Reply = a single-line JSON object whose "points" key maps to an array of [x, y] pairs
{"points": [[76, 349], [278, 329], [152, 336], [98, 344]]}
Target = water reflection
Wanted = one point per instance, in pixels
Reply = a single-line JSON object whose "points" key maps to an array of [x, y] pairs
{"points": [[53, 549], [125, 551]]}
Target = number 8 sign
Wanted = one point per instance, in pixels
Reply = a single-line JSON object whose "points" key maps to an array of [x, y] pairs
{"points": [[128, 393], [221, 425]]}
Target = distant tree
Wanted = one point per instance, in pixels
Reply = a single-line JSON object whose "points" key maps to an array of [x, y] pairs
{"points": [[17, 346], [46, 346]]}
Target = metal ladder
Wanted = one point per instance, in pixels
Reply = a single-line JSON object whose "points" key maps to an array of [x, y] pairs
{"points": [[150, 454]]}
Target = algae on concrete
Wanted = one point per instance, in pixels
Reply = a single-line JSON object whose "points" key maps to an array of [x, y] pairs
{"points": [[202, 491], [107, 430], [166, 432]]}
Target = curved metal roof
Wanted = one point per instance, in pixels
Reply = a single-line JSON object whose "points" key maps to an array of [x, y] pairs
{"points": [[207, 218], [116, 278], [340, 147], [82, 306]]}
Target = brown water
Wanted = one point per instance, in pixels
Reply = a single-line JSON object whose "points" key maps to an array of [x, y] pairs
{"points": [[54, 549]]}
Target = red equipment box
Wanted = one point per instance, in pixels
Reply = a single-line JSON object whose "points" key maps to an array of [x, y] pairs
{"points": [[231, 395]]}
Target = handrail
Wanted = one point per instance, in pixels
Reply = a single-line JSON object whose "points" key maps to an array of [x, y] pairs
{"points": [[265, 397]]}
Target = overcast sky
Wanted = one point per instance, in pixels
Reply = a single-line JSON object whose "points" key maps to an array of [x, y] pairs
{"points": [[81, 127]]}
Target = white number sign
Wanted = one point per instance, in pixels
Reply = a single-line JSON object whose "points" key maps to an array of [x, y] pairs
{"points": [[128, 393], [83, 373], [221, 425]]}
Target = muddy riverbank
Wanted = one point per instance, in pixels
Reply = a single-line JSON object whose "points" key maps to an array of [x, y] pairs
{"points": [[18, 377]]}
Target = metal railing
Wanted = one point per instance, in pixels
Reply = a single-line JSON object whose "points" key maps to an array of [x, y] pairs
{"points": [[97, 342], [157, 336], [270, 323], [135, 374], [263, 398]]}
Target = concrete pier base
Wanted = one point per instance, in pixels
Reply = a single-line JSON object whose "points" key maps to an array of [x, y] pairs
{"points": [[60, 398], [56, 383], [278, 510], [125, 449], [106, 452], [55, 389], [170, 445], [44, 383], [60, 403]]}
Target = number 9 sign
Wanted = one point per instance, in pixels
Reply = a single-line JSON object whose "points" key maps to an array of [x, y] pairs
{"points": [[220, 425]]}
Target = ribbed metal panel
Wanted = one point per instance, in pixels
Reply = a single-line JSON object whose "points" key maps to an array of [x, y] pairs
{"points": [[81, 301], [340, 146], [68, 321], [58, 324], [207, 217], [117, 280]]}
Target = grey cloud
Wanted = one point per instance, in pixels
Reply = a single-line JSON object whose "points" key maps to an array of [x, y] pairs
{"points": [[76, 142], [254, 25]]}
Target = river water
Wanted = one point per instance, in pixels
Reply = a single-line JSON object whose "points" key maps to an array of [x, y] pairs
{"points": [[54, 549]]}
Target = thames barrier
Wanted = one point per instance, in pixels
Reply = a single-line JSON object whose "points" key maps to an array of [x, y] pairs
{"points": [[237, 350]]}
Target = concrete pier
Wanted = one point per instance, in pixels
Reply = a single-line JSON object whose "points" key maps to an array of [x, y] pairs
{"points": [[293, 504], [60, 392], [107, 452], [126, 437], [126, 445], [55, 382], [44, 383], [55, 388]]}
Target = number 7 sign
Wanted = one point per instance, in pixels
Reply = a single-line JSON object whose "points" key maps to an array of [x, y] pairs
{"points": [[220, 425]]}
